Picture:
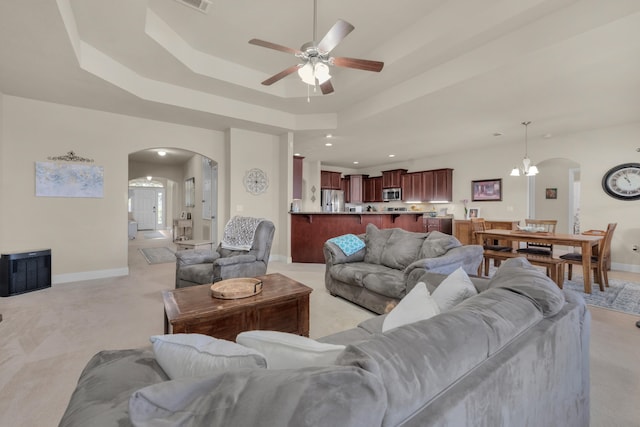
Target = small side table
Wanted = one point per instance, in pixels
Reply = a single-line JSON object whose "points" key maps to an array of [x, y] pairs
{"points": [[182, 229], [194, 244]]}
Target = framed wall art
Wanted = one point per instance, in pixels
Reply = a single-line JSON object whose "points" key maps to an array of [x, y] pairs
{"points": [[551, 193], [487, 190], [473, 213]]}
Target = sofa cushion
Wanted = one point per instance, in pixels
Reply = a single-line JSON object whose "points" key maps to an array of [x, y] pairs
{"points": [[349, 244], [110, 377], [190, 355], [324, 396], [401, 248], [437, 244], [283, 350], [416, 305], [386, 281], [456, 288], [375, 241], [518, 275]]}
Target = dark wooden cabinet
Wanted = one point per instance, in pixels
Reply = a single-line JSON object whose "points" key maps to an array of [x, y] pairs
{"points": [[330, 180], [412, 187], [345, 186], [443, 225], [443, 185], [297, 177], [356, 188], [372, 189], [393, 178]]}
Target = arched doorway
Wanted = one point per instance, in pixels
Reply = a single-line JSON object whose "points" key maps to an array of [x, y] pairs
{"points": [[184, 184], [555, 194]]}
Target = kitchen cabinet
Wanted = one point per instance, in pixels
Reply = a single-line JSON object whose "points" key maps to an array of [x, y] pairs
{"points": [[345, 186], [356, 188], [372, 189], [297, 177], [412, 187], [443, 225], [393, 178], [330, 180], [442, 185]]}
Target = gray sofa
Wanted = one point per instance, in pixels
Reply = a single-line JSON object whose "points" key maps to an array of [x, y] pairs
{"points": [[204, 266], [516, 354], [380, 274]]}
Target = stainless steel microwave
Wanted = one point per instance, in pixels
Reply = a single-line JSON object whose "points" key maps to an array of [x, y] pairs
{"points": [[391, 194]]}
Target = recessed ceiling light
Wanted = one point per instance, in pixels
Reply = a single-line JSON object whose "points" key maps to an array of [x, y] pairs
{"points": [[328, 135], [498, 134], [328, 144], [392, 155], [162, 153], [356, 162], [547, 136], [296, 154], [149, 178]]}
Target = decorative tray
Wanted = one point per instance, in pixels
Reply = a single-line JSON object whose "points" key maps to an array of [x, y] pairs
{"points": [[236, 288]]}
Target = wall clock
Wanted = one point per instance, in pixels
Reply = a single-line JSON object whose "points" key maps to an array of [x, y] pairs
{"points": [[623, 181], [256, 181]]}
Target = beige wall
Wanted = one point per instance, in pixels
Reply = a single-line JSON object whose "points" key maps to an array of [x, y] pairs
{"points": [[88, 237]]}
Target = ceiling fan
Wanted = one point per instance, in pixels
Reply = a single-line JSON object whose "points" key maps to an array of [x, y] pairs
{"points": [[314, 68]]}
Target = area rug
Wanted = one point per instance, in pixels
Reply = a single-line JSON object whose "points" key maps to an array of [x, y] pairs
{"points": [[158, 255], [153, 235], [619, 296]]}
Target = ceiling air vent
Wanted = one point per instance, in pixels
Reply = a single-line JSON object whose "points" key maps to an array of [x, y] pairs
{"points": [[201, 5]]}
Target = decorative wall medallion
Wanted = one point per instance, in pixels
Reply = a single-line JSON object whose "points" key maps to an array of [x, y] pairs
{"points": [[256, 181]]}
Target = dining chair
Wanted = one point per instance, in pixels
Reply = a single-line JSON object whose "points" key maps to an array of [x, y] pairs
{"points": [[598, 262], [534, 248], [479, 224]]}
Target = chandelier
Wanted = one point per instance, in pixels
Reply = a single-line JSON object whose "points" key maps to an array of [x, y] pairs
{"points": [[527, 169]]}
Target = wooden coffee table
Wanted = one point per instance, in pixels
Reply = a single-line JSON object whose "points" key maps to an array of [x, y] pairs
{"points": [[283, 305]]}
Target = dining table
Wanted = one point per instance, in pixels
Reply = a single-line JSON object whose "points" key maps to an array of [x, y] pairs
{"points": [[588, 244]]}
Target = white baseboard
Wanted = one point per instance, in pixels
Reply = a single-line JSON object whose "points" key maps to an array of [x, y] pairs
{"points": [[632, 268], [89, 275], [278, 258]]}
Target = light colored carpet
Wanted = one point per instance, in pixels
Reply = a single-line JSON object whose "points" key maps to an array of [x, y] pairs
{"points": [[48, 336], [153, 235], [158, 255]]}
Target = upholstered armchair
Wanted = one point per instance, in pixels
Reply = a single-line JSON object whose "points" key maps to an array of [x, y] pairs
{"points": [[206, 266]]}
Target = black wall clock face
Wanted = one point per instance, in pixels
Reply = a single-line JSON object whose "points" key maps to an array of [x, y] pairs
{"points": [[623, 181]]}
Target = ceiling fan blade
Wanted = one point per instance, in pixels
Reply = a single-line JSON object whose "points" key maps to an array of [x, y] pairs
{"points": [[360, 64], [282, 74], [274, 46], [326, 87], [339, 31]]}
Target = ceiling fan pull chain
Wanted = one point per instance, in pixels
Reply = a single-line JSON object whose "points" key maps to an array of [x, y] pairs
{"points": [[308, 97]]}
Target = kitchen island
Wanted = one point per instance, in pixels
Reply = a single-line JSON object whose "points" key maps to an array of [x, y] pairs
{"points": [[309, 230]]}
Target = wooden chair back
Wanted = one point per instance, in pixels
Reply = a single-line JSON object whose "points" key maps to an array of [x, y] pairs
{"points": [[549, 226], [477, 224], [604, 253]]}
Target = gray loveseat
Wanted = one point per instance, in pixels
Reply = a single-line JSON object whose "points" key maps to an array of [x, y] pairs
{"points": [[380, 274], [516, 354]]}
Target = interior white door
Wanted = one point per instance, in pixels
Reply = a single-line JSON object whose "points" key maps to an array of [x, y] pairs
{"points": [[144, 208]]}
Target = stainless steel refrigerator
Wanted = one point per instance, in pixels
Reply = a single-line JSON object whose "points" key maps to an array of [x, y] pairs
{"points": [[332, 200]]}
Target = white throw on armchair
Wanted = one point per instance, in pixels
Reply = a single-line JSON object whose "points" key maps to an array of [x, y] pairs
{"points": [[205, 266]]}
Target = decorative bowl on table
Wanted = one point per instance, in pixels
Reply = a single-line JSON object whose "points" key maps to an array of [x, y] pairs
{"points": [[243, 287]]}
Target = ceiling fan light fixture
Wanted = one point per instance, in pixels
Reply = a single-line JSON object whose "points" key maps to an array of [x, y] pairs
{"points": [[322, 72], [306, 74]]}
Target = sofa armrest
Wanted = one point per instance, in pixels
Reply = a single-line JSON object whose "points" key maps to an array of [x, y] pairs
{"points": [[333, 254], [190, 257], [235, 259], [468, 257]]}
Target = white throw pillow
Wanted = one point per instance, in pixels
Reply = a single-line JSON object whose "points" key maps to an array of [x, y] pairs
{"points": [[456, 288], [289, 351], [190, 355], [417, 305]]}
